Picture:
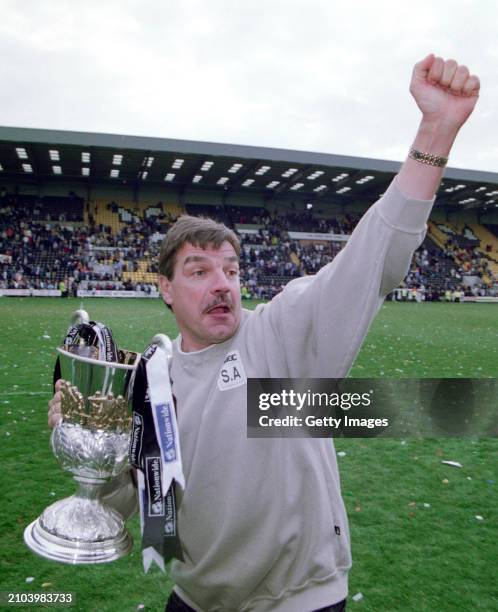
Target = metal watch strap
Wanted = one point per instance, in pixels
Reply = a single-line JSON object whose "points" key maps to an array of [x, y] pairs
{"points": [[428, 158]]}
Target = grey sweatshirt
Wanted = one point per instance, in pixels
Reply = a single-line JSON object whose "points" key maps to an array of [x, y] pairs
{"points": [[262, 521], [258, 517]]}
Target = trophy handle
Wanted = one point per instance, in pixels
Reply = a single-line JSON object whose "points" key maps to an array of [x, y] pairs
{"points": [[80, 316], [165, 343]]}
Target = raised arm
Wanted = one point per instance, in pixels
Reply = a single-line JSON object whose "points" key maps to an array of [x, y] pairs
{"points": [[446, 94], [320, 321]]}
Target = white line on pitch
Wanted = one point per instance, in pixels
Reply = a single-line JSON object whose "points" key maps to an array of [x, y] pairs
{"points": [[24, 393]]}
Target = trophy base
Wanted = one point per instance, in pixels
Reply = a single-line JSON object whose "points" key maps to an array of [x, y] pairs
{"points": [[56, 548]]}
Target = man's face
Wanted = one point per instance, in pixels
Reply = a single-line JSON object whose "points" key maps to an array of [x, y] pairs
{"points": [[204, 294]]}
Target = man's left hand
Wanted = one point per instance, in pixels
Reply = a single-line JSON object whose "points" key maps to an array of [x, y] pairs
{"points": [[445, 91]]}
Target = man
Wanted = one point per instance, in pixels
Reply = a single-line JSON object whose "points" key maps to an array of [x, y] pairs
{"points": [[262, 522]]}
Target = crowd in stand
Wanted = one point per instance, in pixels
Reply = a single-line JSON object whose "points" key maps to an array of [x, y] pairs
{"points": [[440, 274], [278, 221], [471, 261], [40, 250]]}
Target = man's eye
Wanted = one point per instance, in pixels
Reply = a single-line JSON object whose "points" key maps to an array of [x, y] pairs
{"points": [[198, 272], [233, 272]]}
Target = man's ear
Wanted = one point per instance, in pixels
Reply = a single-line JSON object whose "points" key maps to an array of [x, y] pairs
{"points": [[165, 288]]}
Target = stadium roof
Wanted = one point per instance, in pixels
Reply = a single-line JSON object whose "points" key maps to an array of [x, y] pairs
{"points": [[34, 155]]}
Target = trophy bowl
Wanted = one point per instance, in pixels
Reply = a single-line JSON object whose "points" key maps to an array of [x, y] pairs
{"points": [[91, 442]]}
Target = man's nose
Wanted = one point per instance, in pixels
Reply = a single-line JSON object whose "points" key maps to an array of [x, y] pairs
{"points": [[220, 282]]}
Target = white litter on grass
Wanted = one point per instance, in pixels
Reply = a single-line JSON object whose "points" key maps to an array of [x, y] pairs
{"points": [[7, 433], [427, 505], [29, 579], [469, 477], [452, 463], [46, 336], [140, 607], [52, 493], [479, 517], [403, 442], [357, 597], [341, 454]]}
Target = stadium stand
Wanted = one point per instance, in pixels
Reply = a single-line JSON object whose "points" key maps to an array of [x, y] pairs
{"points": [[57, 242], [98, 217]]}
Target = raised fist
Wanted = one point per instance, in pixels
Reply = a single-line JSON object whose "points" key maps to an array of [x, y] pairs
{"points": [[444, 91]]}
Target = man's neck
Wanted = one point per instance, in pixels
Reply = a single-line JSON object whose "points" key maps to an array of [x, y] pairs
{"points": [[190, 346]]}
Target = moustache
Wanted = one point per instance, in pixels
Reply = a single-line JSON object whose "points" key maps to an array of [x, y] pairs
{"points": [[219, 301]]}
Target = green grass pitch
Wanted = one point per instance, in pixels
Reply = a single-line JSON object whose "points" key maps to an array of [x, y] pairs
{"points": [[417, 544]]}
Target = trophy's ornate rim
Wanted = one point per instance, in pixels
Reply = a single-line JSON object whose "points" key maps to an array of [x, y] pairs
{"points": [[109, 364]]}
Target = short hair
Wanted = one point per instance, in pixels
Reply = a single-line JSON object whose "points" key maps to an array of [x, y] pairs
{"points": [[197, 231]]}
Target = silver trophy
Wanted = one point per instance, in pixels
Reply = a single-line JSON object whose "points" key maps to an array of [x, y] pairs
{"points": [[92, 443]]}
